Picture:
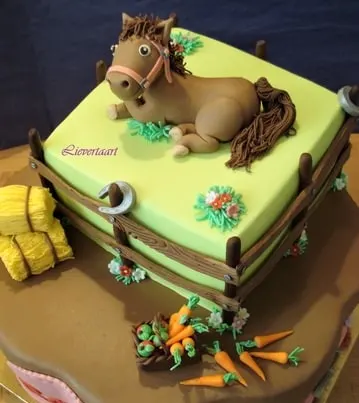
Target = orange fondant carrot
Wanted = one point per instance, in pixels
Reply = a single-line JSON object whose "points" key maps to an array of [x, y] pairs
{"points": [[215, 381], [224, 360], [262, 341], [188, 331], [176, 351], [280, 357], [173, 319], [185, 311], [175, 329], [246, 359]]}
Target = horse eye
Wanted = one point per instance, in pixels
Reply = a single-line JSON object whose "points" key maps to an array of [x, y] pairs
{"points": [[144, 50], [113, 49]]}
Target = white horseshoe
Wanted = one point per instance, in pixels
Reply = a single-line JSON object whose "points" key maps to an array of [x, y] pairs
{"points": [[129, 199], [346, 103]]}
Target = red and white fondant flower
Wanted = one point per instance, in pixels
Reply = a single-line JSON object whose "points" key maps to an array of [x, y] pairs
{"points": [[232, 210], [125, 271], [211, 196]]}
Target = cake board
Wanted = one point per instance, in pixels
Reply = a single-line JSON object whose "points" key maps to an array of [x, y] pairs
{"points": [[77, 321], [335, 387]]}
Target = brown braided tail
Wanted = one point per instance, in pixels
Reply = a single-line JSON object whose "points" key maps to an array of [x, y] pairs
{"points": [[275, 120]]}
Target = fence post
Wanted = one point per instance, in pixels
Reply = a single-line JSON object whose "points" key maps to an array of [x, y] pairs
{"points": [[233, 257]]}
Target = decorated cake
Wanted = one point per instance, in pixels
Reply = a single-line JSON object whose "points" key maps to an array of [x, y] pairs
{"points": [[197, 166], [180, 210]]}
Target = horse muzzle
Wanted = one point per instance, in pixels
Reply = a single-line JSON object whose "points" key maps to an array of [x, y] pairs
{"points": [[123, 86]]}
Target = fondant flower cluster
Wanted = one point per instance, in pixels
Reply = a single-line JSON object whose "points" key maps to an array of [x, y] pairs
{"points": [[215, 321], [340, 183], [185, 44], [299, 247], [221, 206], [125, 274]]}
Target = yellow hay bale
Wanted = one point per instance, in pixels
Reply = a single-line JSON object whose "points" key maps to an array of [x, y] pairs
{"points": [[34, 252], [25, 209]]}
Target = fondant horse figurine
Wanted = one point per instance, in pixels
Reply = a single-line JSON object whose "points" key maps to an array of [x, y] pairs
{"points": [[150, 77]]}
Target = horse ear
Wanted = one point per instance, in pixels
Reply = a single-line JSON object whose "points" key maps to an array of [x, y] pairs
{"points": [[167, 25], [126, 19]]}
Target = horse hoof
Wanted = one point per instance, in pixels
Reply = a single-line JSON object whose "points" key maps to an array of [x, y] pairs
{"points": [[112, 112], [176, 133], [180, 151]]}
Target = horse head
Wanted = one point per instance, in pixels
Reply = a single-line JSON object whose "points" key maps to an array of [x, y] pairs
{"points": [[141, 56]]}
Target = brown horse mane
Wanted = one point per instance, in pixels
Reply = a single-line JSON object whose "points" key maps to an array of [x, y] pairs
{"points": [[147, 26]]}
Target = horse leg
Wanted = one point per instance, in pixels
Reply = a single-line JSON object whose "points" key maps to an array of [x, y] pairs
{"points": [[118, 111], [220, 119], [195, 143], [177, 132]]}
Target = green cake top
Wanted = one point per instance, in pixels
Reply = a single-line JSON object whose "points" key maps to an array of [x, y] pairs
{"points": [[166, 188]]}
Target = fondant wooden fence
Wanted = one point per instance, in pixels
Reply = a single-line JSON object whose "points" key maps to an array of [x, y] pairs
{"points": [[312, 189], [313, 186]]}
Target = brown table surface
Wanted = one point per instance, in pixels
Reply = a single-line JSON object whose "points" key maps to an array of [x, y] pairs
{"points": [[73, 321]]}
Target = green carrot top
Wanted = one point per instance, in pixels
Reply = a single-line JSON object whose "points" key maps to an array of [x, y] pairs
{"points": [[177, 360], [200, 327], [230, 377], [247, 344], [216, 348], [191, 351], [240, 346], [293, 357], [192, 303], [192, 321]]}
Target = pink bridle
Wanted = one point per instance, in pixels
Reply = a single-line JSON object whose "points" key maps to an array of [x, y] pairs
{"points": [[145, 82]]}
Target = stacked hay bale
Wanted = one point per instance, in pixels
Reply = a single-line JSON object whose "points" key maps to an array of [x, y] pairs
{"points": [[32, 240]]}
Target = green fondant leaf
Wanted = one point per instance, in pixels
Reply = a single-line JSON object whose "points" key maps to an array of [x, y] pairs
{"points": [[150, 131], [186, 44]]}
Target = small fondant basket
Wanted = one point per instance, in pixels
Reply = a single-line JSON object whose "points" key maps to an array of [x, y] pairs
{"points": [[161, 360]]}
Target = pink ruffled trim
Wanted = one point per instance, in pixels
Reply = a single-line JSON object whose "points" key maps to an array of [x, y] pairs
{"points": [[345, 330], [310, 398], [43, 388]]}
